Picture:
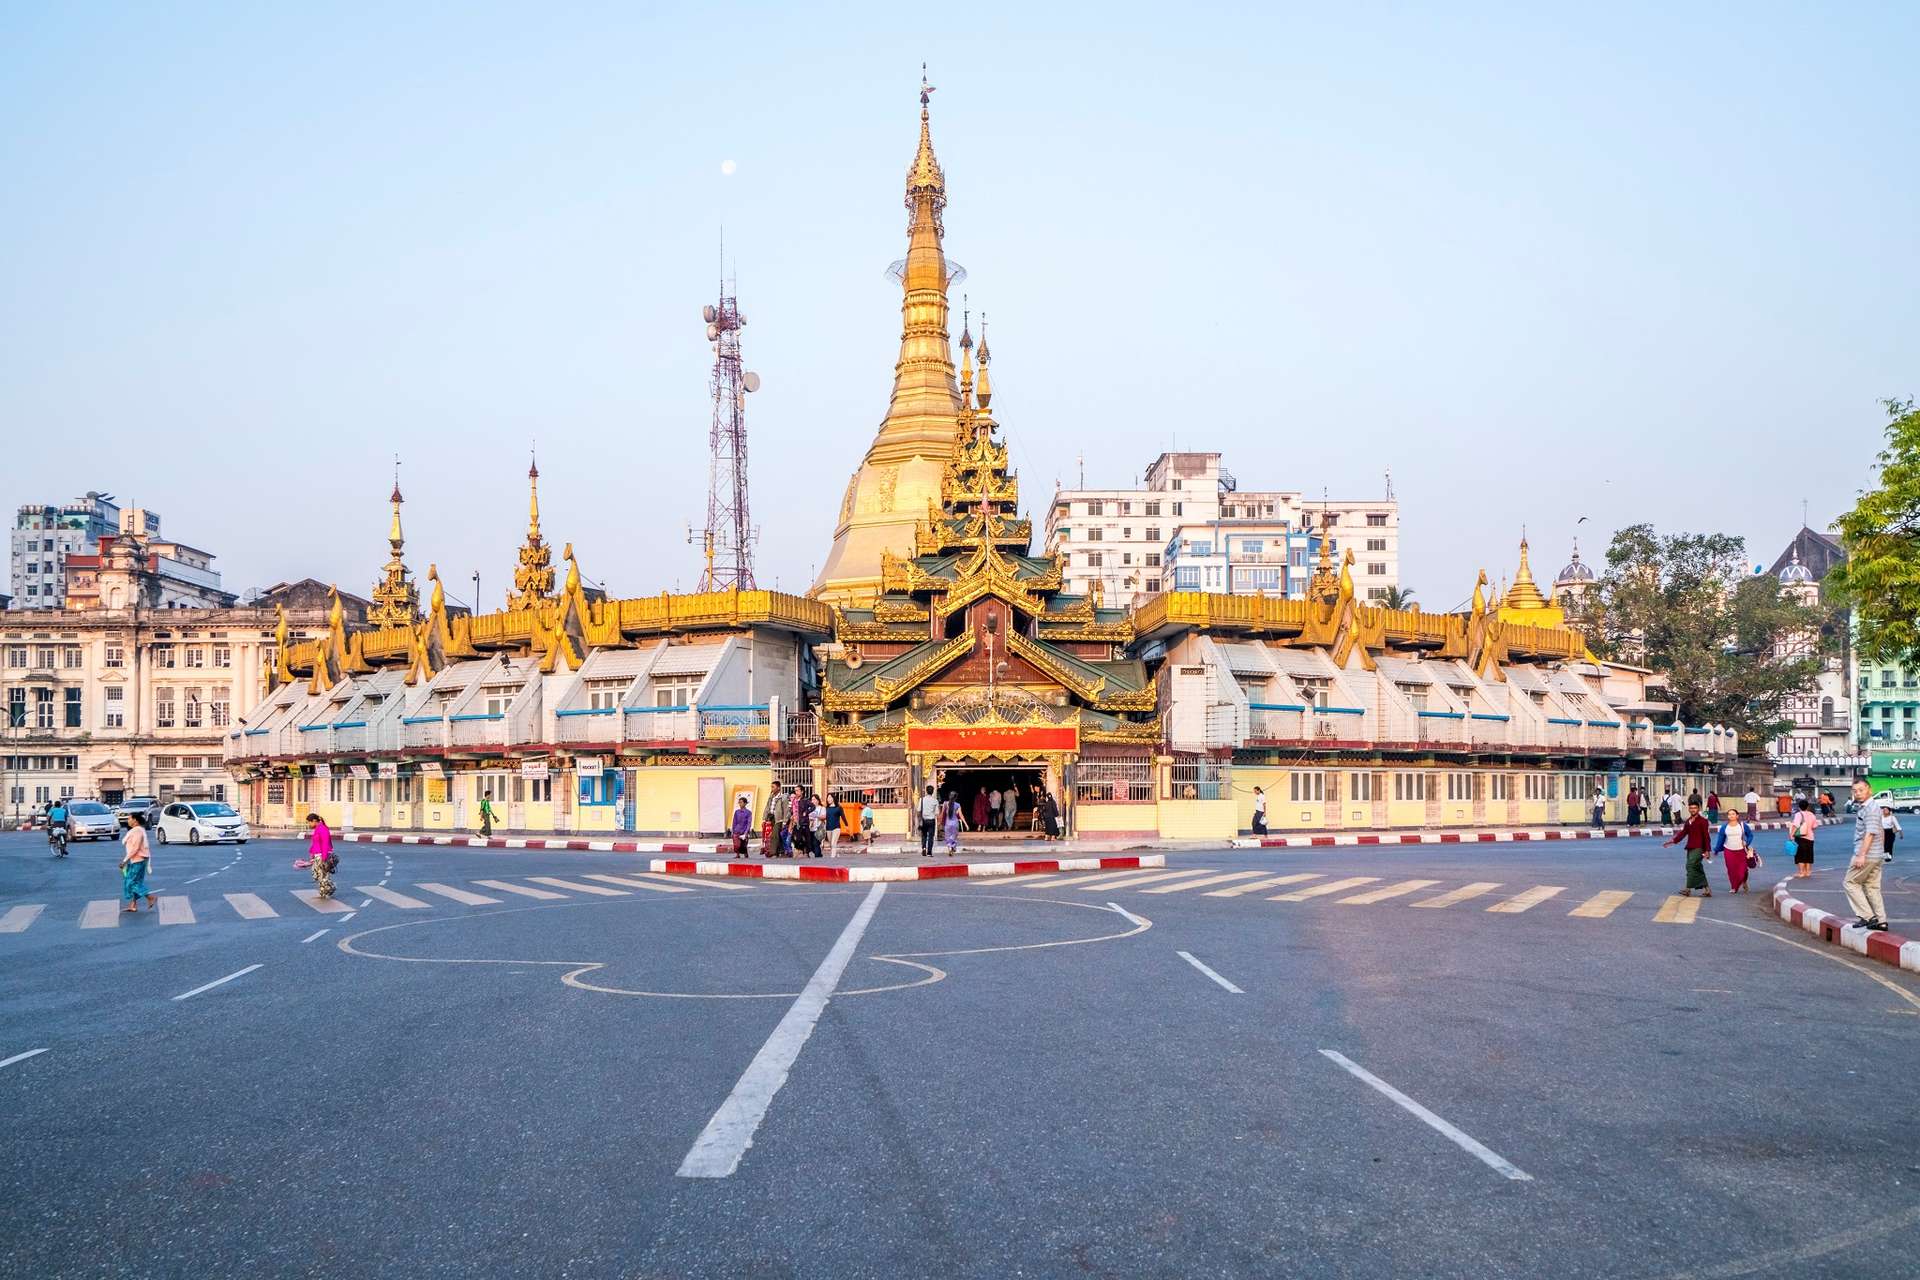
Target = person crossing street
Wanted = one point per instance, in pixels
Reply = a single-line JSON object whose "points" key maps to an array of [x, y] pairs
{"points": [[1698, 836]]}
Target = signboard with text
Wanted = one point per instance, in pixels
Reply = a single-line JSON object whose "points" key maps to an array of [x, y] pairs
{"points": [[587, 766], [1895, 763], [533, 768], [1006, 739]]}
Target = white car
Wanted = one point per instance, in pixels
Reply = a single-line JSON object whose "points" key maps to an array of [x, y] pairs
{"points": [[200, 822]]}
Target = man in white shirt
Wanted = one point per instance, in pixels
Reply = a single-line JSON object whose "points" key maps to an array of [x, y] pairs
{"points": [[1863, 871], [929, 816], [1259, 812], [1753, 804]]}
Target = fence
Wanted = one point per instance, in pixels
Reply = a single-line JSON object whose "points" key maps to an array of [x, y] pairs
{"points": [[793, 773], [1114, 779], [1199, 778], [802, 726], [869, 784]]}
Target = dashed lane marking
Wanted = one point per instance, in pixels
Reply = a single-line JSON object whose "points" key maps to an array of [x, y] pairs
{"points": [[544, 894], [1321, 890], [217, 982], [638, 884], [1459, 895], [575, 886], [1601, 905], [1387, 891], [1463, 1141], [17, 919], [1135, 879], [101, 913], [175, 909], [1189, 958], [1677, 910], [250, 906], [325, 906], [1203, 882], [1271, 882], [317, 933], [698, 882], [375, 893], [458, 895], [1527, 901], [21, 1057]]}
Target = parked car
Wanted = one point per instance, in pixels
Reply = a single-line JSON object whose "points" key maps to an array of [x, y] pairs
{"points": [[91, 820], [201, 822], [1902, 800], [148, 806]]}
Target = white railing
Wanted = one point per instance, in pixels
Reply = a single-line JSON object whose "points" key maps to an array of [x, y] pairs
{"points": [[589, 724], [423, 731], [478, 728], [660, 724]]}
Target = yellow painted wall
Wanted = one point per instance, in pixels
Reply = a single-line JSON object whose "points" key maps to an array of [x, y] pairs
{"points": [[1406, 813], [668, 798], [597, 817], [888, 819], [1097, 817], [1198, 819]]}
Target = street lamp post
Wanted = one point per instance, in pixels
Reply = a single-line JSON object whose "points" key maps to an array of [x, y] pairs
{"points": [[476, 593]]}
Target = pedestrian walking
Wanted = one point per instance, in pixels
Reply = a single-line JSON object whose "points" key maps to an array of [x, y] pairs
{"points": [[774, 833], [1009, 808], [1889, 831], [836, 815], [1633, 805], [1752, 801], [1826, 804], [814, 817], [1713, 807], [320, 859], [1864, 869], [979, 810], [486, 815], [797, 813], [951, 822], [1599, 803], [135, 856], [1049, 809], [1801, 829], [866, 822], [1698, 836], [1693, 798], [994, 813], [1734, 843], [742, 824], [929, 815], [1259, 811]]}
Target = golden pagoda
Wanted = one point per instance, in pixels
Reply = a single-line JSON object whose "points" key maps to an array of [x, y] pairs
{"points": [[901, 473], [533, 576], [396, 599], [1524, 603]]}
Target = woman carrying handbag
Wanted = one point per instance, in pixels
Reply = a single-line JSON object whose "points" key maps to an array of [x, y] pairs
{"points": [[1801, 830], [1734, 841]]}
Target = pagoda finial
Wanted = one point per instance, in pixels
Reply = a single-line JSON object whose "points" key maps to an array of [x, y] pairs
{"points": [[983, 389], [533, 576], [966, 354], [1524, 593], [396, 599], [925, 175], [533, 496]]}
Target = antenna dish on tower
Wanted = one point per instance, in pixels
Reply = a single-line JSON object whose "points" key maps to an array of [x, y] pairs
{"points": [[750, 381], [709, 313], [713, 331]]}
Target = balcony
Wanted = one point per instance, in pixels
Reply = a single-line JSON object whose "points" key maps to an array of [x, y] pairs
{"points": [[746, 723], [588, 724], [660, 724], [478, 729], [1441, 728], [423, 731]]}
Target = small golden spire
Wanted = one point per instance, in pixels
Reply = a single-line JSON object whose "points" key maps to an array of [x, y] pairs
{"points": [[1524, 594], [983, 391], [533, 498], [533, 577], [396, 599], [925, 175], [966, 355]]}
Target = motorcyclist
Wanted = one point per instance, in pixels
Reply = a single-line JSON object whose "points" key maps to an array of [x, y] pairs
{"points": [[57, 826]]}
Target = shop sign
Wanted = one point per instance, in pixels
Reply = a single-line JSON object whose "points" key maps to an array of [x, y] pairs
{"points": [[1005, 739], [587, 766], [868, 775], [533, 768], [432, 768], [359, 771], [389, 769], [322, 770], [1896, 762]]}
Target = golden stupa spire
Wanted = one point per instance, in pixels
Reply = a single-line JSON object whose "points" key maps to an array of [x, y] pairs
{"points": [[1524, 594], [966, 358], [1324, 586], [396, 600], [983, 390], [533, 576], [902, 470]]}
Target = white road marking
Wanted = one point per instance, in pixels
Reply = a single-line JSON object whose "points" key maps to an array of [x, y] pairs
{"points": [[717, 1151], [1114, 906], [522, 890], [1466, 1143], [21, 1057], [1389, 891], [350, 915], [1081, 879], [1188, 957], [575, 886], [698, 882], [325, 906], [1461, 894], [1525, 901], [1132, 880], [1269, 883], [1201, 883], [458, 895], [391, 898], [638, 884], [217, 982], [1320, 890], [18, 918], [369, 902], [250, 906], [176, 909], [101, 913], [315, 934], [1601, 905]]}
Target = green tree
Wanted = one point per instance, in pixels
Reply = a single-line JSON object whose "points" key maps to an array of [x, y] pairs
{"points": [[1881, 577], [1397, 598], [1733, 646]]}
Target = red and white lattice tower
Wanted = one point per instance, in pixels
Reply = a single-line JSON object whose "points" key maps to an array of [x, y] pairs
{"points": [[729, 535]]}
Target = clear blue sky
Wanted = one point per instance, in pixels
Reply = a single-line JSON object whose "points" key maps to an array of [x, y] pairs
{"points": [[1618, 261]]}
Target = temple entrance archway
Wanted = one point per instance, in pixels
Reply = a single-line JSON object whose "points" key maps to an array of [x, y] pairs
{"points": [[974, 784]]}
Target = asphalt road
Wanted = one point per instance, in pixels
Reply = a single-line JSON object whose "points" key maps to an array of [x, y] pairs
{"points": [[1009, 1079]]}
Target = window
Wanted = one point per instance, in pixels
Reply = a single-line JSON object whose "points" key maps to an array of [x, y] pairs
{"points": [[604, 695], [44, 657], [196, 655], [72, 719], [1328, 519], [1126, 557], [1572, 787], [168, 763], [1095, 560], [1360, 786], [222, 655], [70, 657], [540, 790], [1153, 559], [1096, 535], [1409, 786], [70, 764], [1176, 509], [1375, 520], [195, 712], [1376, 544], [163, 709], [1499, 786], [1153, 533], [1253, 546], [1153, 509], [1177, 506], [1153, 584], [1377, 568], [1416, 694], [675, 691], [116, 656], [1886, 674], [1096, 509], [1186, 579], [1126, 534], [163, 655], [43, 708], [116, 712], [497, 701], [1376, 593], [1306, 788], [17, 708], [1459, 786], [1126, 508]]}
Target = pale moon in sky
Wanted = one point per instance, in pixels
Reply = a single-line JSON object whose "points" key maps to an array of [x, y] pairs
{"points": [[727, 167]]}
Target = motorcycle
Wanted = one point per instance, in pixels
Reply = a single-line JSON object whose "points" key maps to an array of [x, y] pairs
{"points": [[57, 837]]}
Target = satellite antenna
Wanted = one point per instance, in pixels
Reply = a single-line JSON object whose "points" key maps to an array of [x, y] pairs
{"points": [[727, 539]]}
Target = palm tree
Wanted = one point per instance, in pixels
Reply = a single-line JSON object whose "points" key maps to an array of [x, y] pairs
{"points": [[1397, 598]]}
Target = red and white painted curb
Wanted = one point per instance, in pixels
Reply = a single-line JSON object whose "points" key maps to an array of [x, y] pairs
{"points": [[577, 843], [1325, 840], [929, 871], [1824, 925]]}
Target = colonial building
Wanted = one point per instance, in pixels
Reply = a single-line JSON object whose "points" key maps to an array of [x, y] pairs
{"points": [[1820, 745], [939, 650]]}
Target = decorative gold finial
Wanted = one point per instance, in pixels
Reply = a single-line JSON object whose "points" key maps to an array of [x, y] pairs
{"points": [[396, 599], [533, 576], [1524, 594], [966, 355], [983, 391]]}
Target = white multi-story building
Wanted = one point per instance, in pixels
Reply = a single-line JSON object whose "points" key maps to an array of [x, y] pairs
{"points": [[44, 536], [1121, 539]]}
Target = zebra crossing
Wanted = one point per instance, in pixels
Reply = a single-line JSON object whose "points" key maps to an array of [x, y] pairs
{"points": [[1365, 891], [179, 909]]}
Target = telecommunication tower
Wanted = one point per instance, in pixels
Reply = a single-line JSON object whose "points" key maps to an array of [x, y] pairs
{"points": [[729, 534]]}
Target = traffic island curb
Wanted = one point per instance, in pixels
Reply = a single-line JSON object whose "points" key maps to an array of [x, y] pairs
{"points": [[580, 844], [1325, 840], [1887, 947], [931, 871]]}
